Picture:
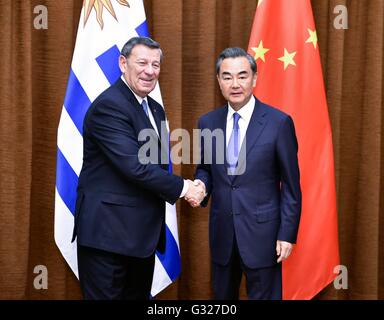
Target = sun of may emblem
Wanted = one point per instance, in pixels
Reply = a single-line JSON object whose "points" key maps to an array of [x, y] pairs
{"points": [[99, 5]]}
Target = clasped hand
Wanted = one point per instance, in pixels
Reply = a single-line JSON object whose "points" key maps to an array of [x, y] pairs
{"points": [[196, 192]]}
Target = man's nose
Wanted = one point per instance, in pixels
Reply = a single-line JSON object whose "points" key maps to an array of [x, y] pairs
{"points": [[235, 83], [149, 69]]}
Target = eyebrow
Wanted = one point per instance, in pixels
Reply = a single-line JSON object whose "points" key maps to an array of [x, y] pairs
{"points": [[146, 60], [227, 73]]}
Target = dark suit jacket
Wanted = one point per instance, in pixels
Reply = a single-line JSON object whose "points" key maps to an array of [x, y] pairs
{"points": [[261, 205], [120, 203]]}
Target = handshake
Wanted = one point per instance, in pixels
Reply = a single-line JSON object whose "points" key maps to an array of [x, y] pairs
{"points": [[196, 192]]}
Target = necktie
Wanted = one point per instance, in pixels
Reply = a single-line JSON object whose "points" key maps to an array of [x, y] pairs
{"points": [[233, 145], [145, 107]]}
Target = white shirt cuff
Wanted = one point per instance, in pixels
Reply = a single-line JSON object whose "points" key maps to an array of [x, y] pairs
{"points": [[185, 189]]}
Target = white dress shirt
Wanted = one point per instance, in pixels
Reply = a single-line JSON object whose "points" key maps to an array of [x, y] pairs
{"points": [[245, 116]]}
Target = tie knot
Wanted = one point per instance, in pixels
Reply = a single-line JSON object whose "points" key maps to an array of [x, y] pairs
{"points": [[236, 118], [145, 107]]}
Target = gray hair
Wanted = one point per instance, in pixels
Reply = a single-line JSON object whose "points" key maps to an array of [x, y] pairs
{"points": [[235, 52], [145, 41]]}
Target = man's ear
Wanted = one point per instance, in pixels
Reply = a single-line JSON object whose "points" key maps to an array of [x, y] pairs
{"points": [[254, 80], [218, 80], [122, 63]]}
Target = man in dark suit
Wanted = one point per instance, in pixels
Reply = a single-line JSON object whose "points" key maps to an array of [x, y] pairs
{"points": [[122, 190], [256, 196]]}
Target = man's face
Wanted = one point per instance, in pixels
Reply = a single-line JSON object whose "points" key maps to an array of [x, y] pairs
{"points": [[141, 69], [236, 81]]}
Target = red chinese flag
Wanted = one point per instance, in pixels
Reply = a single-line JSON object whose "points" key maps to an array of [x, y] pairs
{"points": [[284, 43]]}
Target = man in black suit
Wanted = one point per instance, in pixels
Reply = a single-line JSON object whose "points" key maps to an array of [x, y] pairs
{"points": [[120, 206], [255, 189]]}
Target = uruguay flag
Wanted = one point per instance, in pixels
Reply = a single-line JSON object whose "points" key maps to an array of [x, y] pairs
{"points": [[104, 27]]}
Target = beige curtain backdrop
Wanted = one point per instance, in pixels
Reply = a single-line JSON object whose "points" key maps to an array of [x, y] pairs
{"points": [[34, 72]]}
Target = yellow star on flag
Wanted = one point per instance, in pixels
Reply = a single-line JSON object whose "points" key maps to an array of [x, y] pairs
{"points": [[259, 2], [260, 51], [312, 38], [288, 58], [98, 5]]}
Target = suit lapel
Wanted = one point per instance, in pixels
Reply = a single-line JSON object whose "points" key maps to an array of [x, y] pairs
{"points": [[222, 125], [159, 116], [255, 127], [129, 95], [133, 101], [222, 148]]}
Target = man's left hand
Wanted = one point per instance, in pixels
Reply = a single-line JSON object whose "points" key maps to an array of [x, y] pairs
{"points": [[283, 250]]}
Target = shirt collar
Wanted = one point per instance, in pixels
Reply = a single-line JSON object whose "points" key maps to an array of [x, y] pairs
{"points": [[245, 112], [138, 98]]}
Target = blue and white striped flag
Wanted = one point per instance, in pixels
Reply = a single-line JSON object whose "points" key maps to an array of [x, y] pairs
{"points": [[104, 28]]}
